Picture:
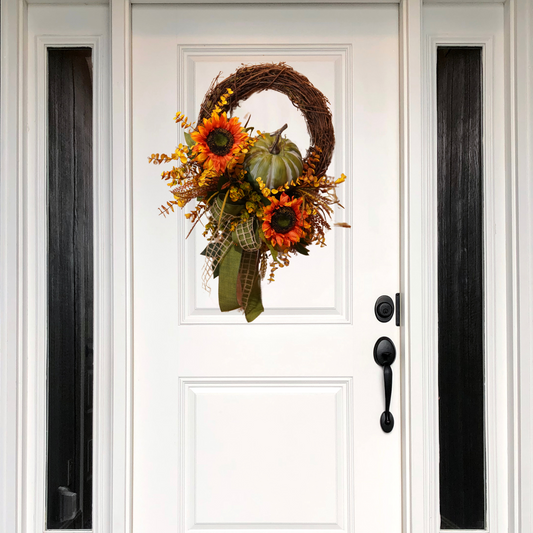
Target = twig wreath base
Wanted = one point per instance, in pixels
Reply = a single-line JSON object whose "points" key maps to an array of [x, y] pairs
{"points": [[282, 78]]}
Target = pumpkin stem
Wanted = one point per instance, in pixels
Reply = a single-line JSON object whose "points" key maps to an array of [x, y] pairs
{"points": [[274, 149]]}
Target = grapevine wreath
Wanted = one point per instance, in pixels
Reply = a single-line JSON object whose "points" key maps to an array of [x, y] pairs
{"points": [[262, 200]]}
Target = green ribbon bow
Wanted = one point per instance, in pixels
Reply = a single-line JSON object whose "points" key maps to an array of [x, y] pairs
{"points": [[234, 255]]}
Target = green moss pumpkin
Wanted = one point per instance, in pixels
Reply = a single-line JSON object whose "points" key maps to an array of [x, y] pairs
{"points": [[274, 159]]}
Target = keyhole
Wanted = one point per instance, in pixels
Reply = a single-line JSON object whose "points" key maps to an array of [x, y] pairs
{"points": [[384, 308]]}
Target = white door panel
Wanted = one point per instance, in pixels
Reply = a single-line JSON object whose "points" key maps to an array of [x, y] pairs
{"points": [[326, 66], [272, 425], [278, 450]]}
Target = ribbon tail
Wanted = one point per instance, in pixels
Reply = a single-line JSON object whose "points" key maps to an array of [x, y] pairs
{"points": [[214, 254], [247, 274], [227, 284], [217, 249], [255, 304]]}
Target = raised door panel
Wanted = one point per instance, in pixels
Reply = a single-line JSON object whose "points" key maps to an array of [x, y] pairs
{"points": [[327, 66], [266, 454]]}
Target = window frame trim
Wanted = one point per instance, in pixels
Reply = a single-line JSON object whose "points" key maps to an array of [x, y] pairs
{"points": [[35, 302]]}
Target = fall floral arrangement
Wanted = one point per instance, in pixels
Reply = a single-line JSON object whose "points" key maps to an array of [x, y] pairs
{"points": [[262, 202]]}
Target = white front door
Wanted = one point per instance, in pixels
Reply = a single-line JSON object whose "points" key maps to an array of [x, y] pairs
{"points": [[274, 425]]}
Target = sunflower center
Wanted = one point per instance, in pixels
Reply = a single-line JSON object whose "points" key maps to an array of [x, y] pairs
{"points": [[283, 220], [220, 141]]}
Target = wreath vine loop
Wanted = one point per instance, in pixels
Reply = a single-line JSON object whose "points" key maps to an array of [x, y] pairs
{"points": [[282, 78]]}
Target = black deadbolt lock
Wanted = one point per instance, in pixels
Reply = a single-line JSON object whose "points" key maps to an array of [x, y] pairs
{"points": [[384, 308]]}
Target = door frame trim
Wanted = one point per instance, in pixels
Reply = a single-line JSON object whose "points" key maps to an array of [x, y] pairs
{"points": [[519, 41], [120, 482], [420, 466]]}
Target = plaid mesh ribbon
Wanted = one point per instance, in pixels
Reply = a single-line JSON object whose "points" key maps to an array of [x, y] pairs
{"points": [[245, 237], [218, 247], [247, 274]]}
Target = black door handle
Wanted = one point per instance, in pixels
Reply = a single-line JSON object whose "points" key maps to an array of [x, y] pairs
{"points": [[384, 355]]}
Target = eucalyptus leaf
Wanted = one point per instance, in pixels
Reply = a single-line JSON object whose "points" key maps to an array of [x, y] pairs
{"points": [[189, 140]]}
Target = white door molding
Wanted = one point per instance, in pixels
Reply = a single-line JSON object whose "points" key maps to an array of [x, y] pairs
{"points": [[11, 130], [120, 482], [121, 452], [519, 36], [420, 466], [13, 16], [419, 460], [261, 2]]}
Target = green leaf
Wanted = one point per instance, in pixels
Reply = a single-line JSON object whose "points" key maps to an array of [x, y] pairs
{"points": [[300, 248], [216, 272], [270, 247], [272, 250], [222, 181], [189, 140]]}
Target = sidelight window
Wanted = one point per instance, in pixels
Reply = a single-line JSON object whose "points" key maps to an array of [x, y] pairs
{"points": [[460, 283], [70, 289]]}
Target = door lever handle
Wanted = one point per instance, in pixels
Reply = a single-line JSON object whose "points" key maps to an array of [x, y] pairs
{"points": [[387, 419], [384, 355]]}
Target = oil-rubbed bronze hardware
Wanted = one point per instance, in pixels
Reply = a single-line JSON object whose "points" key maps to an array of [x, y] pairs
{"points": [[384, 355], [384, 308]]}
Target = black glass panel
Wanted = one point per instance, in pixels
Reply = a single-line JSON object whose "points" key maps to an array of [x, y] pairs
{"points": [[70, 289], [460, 276]]}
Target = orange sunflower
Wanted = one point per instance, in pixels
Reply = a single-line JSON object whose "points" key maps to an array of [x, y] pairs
{"points": [[285, 222], [218, 140]]}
